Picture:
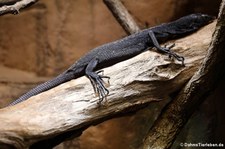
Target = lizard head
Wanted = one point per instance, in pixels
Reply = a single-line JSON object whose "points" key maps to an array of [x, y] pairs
{"points": [[195, 21]]}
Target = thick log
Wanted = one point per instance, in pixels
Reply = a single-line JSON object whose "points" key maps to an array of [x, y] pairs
{"points": [[72, 107]]}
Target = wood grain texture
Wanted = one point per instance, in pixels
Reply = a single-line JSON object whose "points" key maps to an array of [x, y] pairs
{"points": [[134, 83]]}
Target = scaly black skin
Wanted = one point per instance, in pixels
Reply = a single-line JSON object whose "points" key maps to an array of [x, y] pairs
{"points": [[120, 50]]}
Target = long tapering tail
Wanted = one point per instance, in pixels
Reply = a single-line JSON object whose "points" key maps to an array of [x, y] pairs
{"points": [[64, 77]]}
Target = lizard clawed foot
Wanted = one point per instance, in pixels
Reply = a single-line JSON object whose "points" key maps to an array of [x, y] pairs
{"points": [[98, 85], [165, 49], [96, 79], [177, 57], [171, 53]]}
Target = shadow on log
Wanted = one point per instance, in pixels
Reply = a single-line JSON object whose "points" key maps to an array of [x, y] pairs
{"points": [[68, 109]]}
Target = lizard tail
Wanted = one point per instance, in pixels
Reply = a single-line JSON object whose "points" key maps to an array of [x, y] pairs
{"points": [[44, 87]]}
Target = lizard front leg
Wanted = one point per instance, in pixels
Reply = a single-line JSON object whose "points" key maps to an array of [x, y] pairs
{"points": [[165, 49], [96, 80]]}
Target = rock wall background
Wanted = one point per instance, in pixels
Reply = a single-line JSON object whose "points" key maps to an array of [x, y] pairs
{"points": [[46, 38]]}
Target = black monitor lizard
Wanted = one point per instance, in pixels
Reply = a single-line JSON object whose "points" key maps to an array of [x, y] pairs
{"points": [[120, 50]]}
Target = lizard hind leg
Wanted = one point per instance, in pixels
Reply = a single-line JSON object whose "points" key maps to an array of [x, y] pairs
{"points": [[97, 80]]}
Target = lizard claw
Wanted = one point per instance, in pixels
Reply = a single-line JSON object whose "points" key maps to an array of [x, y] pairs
{"points": [[177, 57], [171, 53], [100, 71], [98, 85], [169, 47]]}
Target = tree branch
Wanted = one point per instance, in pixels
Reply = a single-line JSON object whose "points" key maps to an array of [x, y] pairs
{"points": [[8, 2], [204, 81], [15, 8], [122, 16], [70, 108]]}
